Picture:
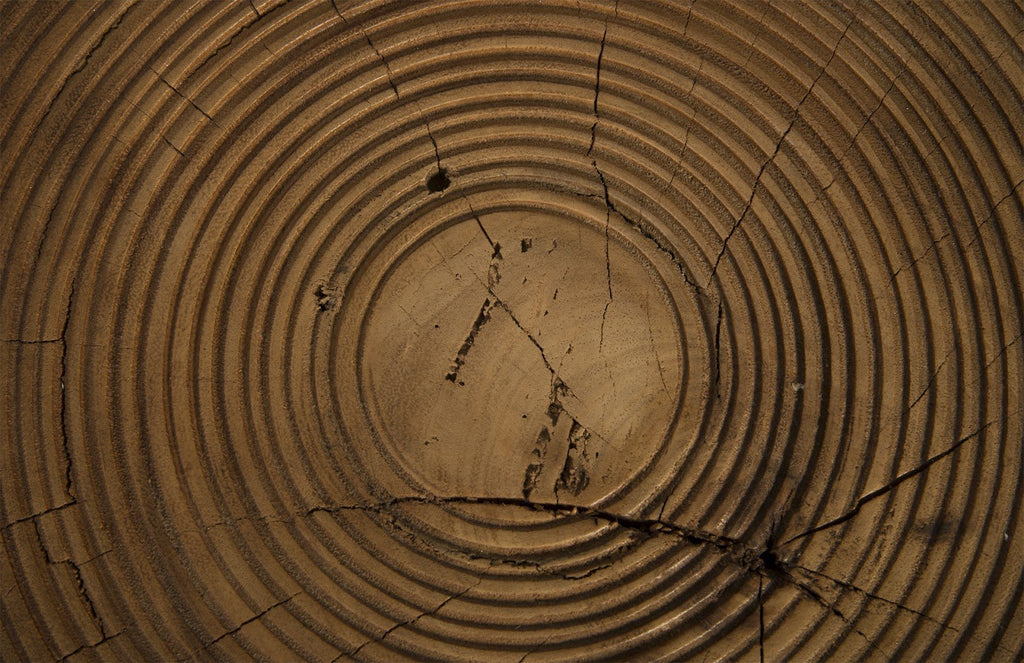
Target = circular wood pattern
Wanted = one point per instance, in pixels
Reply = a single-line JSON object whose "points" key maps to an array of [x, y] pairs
{"points": [[490, 330]]}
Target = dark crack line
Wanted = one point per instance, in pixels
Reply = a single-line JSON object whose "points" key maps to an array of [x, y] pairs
{"points": [[76, 572], [230, 40], [878, 492], [536, 344], [913, 262], [186, 98], [831, 608], [249, 621], [689, 123], [426, 613], [46, 230], [757, 35], [555, 379], [173, 146], [688, 534], [460, 359], [761, 561], [607, 250], [31, 518], [93, 645], [654, 348], [63, 395], [858, 590], [85, 61], [257, 11], [495, 248], [493, 268], [867, 120], [391, 82], [775, 152], [931, 382], [534, 650], [992, 213], [597, 87], [1004, 350]]}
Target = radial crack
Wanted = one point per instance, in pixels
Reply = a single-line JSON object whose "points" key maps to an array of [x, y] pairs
{"points": [[76, 573], [185, 97], [931, 382], [875, 597], [249, 621], [992, 213], [919, 258], [775, 152], [32, 517], [394, 86], [891, 485], [426, 613], [1003, 351], [460, 359], [91, 645]]}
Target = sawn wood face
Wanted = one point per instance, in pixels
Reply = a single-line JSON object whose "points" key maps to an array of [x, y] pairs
{"points": [[498, 331]]}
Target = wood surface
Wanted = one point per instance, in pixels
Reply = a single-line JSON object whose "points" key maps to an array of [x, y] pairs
{"points": [[490, 330]]}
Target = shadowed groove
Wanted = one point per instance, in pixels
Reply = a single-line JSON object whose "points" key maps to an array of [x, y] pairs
{"points": [[292, 290]]}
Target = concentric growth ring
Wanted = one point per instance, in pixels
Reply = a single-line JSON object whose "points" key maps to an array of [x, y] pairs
{"points": [[480, 330]]}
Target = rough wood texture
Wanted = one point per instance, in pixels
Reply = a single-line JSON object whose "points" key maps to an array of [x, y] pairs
{"points": [[495, 330]]}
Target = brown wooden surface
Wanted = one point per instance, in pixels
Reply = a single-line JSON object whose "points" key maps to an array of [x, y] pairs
{"points": [[482, 330]]}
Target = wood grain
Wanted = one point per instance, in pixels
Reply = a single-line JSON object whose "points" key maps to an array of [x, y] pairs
{"points": [[479, 330]]}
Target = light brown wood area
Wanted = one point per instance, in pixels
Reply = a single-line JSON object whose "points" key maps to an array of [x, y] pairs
{"points": [[487, 330]]}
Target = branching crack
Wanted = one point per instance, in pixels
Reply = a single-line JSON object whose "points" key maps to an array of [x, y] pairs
{"points": [[831, 608], [891, 485], [762, 560], [863, 592], [689, 534], [771, 158], [76, 572], [32, 517]]}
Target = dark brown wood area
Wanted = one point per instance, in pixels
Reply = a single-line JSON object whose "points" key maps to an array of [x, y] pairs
{"points": [[492, 330]]}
